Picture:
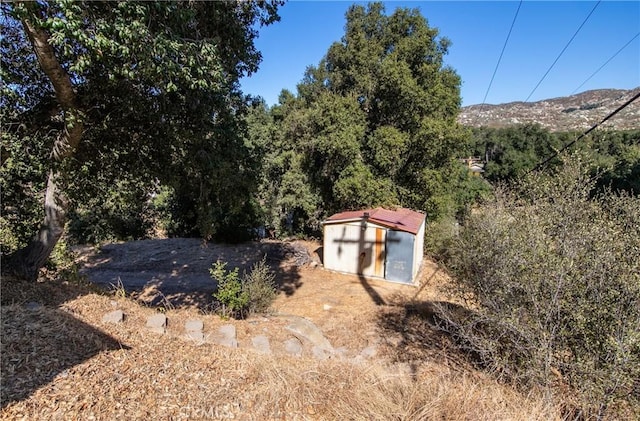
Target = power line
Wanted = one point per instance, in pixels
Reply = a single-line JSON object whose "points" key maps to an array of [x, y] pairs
{"points": [[563, 50], [605, 63], [617, 110], [501, 53]]}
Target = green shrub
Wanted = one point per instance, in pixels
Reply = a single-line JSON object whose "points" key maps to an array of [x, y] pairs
{"points": [[553, 277], [230, 294], [62, 262], [240, 297]]}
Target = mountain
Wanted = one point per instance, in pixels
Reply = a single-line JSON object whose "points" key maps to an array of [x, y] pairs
{"points": [[575, 112]]}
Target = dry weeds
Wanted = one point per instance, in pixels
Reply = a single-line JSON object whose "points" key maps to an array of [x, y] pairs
{"points": [[60, 361]]}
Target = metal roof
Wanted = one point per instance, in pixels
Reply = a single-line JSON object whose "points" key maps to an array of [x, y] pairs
{"points": [[401, 219]]}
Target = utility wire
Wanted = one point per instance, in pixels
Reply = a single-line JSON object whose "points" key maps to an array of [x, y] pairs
{"points": [[605, 63], [563, 50], [500, 58], [620, 108]]}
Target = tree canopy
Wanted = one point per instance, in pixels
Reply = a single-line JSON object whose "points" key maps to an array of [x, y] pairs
{"points": [[374, 123], [97, 93]]}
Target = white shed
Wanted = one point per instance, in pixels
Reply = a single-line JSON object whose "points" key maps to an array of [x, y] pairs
{"points": [[379, 242]]}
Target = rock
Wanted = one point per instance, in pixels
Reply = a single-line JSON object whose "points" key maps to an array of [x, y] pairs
{"points": [[341, 352], [196, 336], [320, 353], [228, 331], [157, 323], [293, 346], [261, 344], [225, 336], [394, 340], [327, 307], [32, 305], [370, 351], [193, 326], [115, 316], [305, 329]]}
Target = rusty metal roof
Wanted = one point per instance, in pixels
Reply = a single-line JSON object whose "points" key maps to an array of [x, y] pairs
{"points": [[401, 219]]}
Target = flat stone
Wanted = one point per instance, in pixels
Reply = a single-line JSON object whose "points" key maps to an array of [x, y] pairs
{"points": [[369, 351], [261, 344], [160, 330], [193, 326], [194, 336], [225, 336], [320, 353], [115, 316], [305, 329], [32, 305], [341, 352], [293, 346], [394, 340], [157, 323], [228, 331]]}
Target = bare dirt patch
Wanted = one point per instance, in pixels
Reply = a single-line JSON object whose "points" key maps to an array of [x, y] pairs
{"points": [[176, 270]]}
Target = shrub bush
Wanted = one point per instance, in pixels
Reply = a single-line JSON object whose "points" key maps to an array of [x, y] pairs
{"points": [[230, 294], [552, 274], [260, 287], [240, 297]]}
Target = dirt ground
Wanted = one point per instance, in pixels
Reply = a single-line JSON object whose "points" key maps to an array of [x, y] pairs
{"points": [[176, 271], [173, 273], [61, 360]]}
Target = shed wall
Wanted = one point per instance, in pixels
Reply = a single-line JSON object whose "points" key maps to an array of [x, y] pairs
{"points": [[418, 251], [355, 247]]}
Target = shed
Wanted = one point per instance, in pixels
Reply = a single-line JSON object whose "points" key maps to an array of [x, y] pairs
{"points": [[378, 242]]}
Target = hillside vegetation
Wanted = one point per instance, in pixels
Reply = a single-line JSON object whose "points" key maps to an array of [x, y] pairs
{"points": [[562, 114], [125, 121]]}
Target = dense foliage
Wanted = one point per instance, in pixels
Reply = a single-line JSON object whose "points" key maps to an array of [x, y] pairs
{"points": [[153, 134], [511, 152], [374, 123], [106, 101], [552, 269]]}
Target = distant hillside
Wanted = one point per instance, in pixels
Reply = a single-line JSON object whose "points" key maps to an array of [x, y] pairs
{"points": [[575, 112]]}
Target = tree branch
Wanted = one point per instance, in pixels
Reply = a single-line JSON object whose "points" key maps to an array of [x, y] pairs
{"points": [[62, 86]]}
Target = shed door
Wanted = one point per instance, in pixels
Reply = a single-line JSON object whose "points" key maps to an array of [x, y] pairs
{"points": [[399, 258]]}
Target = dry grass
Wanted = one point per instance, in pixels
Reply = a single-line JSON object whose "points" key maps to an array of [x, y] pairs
{"points": [[60, 361]]}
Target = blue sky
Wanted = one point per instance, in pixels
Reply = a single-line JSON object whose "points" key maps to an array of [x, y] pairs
{"points": [[478, 30]]}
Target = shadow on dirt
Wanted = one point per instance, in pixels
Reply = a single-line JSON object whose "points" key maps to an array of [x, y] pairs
{"points": [[174, 272], [413, 333], [40, 339]]}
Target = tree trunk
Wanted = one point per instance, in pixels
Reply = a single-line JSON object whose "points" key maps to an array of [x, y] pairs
{"points": [[27, 262]]}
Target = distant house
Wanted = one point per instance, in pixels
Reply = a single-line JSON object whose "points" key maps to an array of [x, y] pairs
{"points": [[379, 242], [475, 165]]}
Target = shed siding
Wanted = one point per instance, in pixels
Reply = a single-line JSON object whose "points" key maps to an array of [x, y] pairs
{"points": [[400, 252], [418, 249], [354, 247], [375, 243]]}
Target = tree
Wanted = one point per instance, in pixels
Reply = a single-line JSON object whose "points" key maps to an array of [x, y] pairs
{"points": [[510, 152], [374, 123], [139, 88]]}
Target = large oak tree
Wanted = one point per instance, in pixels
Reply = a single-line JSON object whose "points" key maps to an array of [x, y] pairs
{"points": [[373, 123], [140, 90]]}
